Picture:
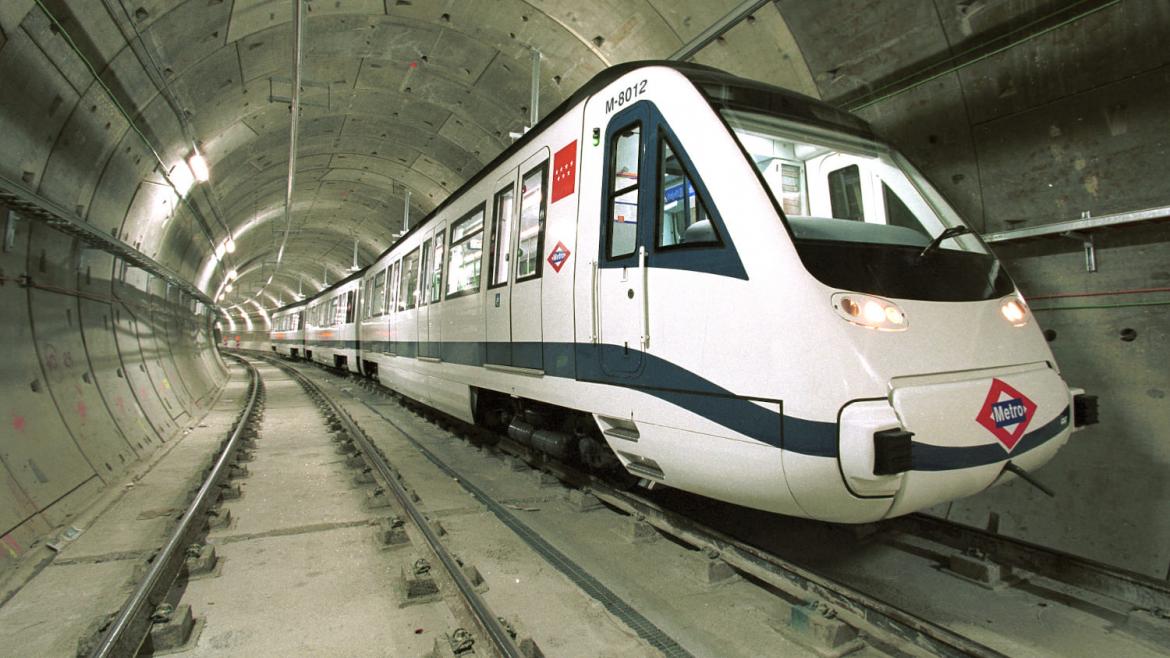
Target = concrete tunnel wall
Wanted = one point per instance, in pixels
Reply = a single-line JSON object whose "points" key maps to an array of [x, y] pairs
{"points": [[102, 367], [1065, 120]]}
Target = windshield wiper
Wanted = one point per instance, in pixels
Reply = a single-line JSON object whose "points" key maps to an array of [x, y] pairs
{"points": [[952, 232]]}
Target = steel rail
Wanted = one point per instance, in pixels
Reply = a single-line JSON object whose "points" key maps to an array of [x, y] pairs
{"points": [[132, 624], [865, 613], [488, 622]]}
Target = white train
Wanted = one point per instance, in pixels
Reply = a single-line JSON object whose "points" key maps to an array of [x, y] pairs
{"points": [[719, 286]]}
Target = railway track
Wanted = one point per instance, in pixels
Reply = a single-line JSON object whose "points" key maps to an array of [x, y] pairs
{"points": [[148, 604], [838, 618], [156, 616]]}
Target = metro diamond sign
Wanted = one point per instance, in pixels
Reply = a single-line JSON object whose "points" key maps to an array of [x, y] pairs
{"points": [[1006, 413], [558, 257]]}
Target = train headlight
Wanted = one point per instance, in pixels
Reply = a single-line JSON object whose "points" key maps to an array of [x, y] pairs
{"points": [[869, 311], [1014, 310]]}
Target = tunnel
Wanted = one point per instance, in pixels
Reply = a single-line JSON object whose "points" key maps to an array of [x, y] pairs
{"points": [[173, 172]]}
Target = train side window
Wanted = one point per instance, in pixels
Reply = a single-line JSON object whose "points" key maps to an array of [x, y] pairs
{"points": [[437, 268], [408, 291], [424, 274], [379, 293], [350, 306], [530, 244], [501, 230], [465, 258], [622, 198], [845, 193], [683, 219]]}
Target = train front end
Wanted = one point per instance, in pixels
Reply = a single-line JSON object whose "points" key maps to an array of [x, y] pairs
{"points": [[922, 376]]}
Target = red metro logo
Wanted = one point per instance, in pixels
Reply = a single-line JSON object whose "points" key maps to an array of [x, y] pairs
{"points": [[1006, 413]]}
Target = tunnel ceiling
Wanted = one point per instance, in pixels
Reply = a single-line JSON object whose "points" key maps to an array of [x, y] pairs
{"points": [[398, 97]]}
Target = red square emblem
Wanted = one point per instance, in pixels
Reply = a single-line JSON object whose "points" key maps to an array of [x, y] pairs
{"points": [[1006, 413], [559, 256], [564, 172]]}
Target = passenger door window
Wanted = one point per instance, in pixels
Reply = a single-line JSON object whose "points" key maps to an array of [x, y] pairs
{"points": [[622, 199], [378, 294], [425, 273], [530, 243], [408, 291], [501, 232], [436, 282]]}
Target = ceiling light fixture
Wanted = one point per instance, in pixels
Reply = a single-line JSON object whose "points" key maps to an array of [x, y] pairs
{"points": [[199, 167]]}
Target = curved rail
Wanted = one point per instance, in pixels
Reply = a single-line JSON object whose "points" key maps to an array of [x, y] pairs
{"points": [[131, 625], [488, 622]]}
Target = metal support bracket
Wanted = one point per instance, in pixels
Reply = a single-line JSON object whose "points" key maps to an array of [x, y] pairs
{"points": [[1086, 240]]}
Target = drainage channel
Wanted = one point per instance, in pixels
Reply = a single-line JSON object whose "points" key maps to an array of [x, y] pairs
{"points": [[833, 617], [147, 606]]}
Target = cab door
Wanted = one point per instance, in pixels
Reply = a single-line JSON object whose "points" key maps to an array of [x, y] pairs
{"points": [[620, 276], [497, 312], [528, 264]]}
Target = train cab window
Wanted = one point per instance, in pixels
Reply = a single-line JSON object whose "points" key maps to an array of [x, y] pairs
{"points": [[378, 294], [424, 274], [683, 219], [622, 236], [466, 249], [530, 243], [408, 291], [501, 231], [350, 306], [436, 274], [845, 193]]}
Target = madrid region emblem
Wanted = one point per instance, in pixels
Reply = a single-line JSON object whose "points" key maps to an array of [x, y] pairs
{"points": [[1006, 413]]}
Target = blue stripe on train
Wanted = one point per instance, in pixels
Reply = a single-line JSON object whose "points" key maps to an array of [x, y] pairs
{"points": [[681, 387]]}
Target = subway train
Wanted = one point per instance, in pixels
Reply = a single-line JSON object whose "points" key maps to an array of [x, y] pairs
{"points": [[705, 282]]}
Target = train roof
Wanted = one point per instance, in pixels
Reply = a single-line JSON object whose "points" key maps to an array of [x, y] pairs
{"points": [[291, 305], [349, 277], [711, 81]]}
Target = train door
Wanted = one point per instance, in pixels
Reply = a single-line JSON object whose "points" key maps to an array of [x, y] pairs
{"points": [[527, 326], [497, 313], [620, 276]]}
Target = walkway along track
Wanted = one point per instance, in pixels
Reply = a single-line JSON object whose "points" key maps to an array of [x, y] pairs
{"points": [[132, 624], [488, 624]]}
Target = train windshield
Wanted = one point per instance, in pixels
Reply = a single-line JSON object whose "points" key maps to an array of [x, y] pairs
{"points": [[862, 217]]}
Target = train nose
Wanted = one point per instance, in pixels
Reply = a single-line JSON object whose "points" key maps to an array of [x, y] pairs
{"points": [[944, 436]]}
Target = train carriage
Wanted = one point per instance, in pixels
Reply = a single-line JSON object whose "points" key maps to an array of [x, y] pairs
{"points": [[287, 336], [726, 288], [331, 327]]}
